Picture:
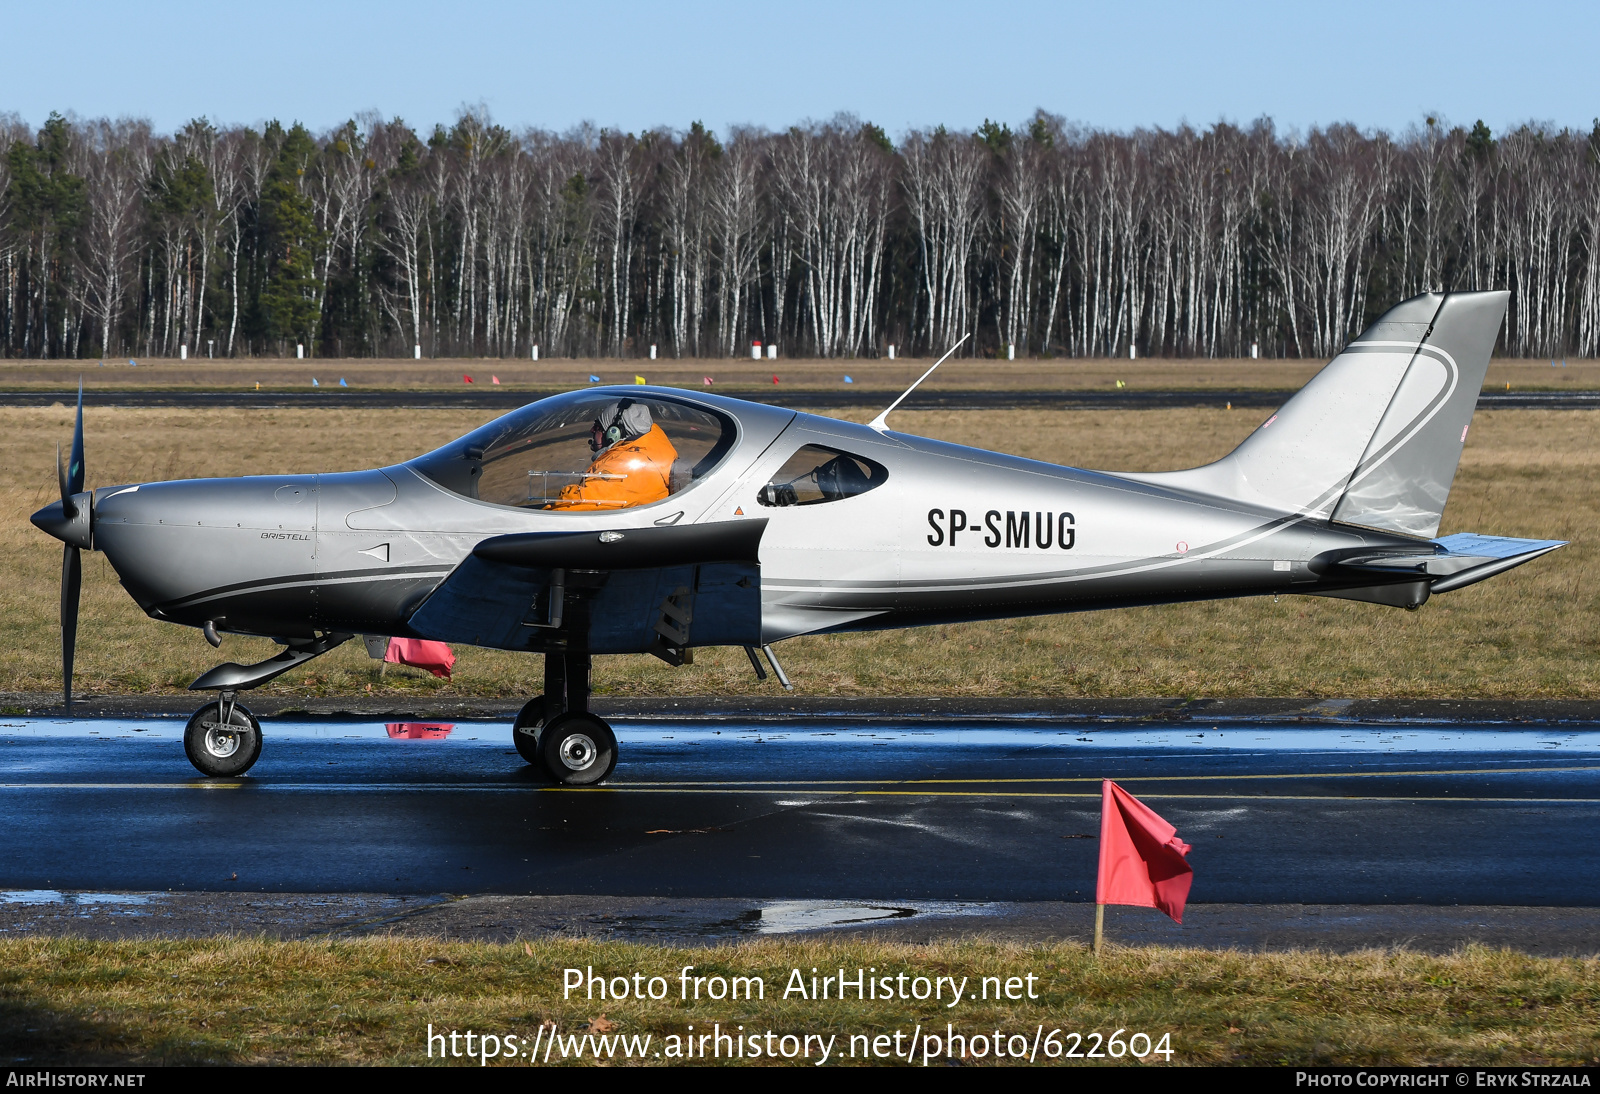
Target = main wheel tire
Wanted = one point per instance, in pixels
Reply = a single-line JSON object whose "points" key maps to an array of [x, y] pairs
{"points": [[579, 749], [222, 748], [526, 729]]}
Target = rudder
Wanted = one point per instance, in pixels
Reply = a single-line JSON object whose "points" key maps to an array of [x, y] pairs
{"points": [[1403, 478]]}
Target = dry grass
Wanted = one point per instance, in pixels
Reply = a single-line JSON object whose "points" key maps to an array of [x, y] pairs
{"points": [[735, 375], [371, 1001], [1530, 633]]}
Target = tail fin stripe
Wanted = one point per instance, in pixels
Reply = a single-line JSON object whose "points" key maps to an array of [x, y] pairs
{"points": [[1386, 448]]}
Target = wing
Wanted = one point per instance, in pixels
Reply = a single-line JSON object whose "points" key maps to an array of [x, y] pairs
{"points": [[628, 590]]}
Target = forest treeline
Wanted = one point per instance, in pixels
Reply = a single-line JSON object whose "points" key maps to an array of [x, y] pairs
{"points": [[828, 239]]}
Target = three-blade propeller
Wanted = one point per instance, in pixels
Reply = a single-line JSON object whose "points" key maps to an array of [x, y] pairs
{"points": [[70, 479]]}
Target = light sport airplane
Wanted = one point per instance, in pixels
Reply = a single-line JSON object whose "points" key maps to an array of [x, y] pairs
{"points": [[649, 520]]}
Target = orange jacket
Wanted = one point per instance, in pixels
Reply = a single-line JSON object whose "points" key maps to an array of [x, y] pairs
{"points": [[646, 464]]}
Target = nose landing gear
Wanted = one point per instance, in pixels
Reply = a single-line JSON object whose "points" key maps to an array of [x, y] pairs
{"points": [[555, 731], [223, 738]]}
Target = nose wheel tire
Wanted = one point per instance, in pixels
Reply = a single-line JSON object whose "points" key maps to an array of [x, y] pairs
{"points": [[222, 743], [526, 729], [578, 749]]}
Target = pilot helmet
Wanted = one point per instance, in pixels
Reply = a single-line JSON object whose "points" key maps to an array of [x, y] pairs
{"points": [[620, 421]]}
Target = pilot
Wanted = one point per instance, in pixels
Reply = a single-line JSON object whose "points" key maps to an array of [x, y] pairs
{"points": [[632, 464]]}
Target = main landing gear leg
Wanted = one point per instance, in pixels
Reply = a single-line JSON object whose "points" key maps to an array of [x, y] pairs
{"points": [[556, 732]]}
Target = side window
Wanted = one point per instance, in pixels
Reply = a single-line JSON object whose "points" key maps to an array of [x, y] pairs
{"points": [[814, 475]]}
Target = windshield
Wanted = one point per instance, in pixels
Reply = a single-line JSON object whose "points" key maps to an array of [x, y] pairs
{"points": [[584, 451]]}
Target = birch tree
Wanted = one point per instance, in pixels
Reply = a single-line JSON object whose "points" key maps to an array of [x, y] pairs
{"points": [[943, 180], [114, 225]]}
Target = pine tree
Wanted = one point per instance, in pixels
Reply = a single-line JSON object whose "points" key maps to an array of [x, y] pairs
{"points": [[291, 238], [46, 202]]}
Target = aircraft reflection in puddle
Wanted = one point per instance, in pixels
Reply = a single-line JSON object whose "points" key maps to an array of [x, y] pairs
{"points": [[419, 731]]}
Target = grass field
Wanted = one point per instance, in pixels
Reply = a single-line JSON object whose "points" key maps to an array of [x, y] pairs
{"points": [[1532, 633], [372, 1001], [734, 375]]}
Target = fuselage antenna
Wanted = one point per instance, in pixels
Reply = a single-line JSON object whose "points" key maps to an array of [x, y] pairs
{"points": [[880, 423]]}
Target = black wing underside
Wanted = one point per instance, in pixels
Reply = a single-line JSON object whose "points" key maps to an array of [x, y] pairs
{"points": [[642, 590]]}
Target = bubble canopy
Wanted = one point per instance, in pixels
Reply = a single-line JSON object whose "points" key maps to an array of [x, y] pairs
{"points": [[584, 451]]}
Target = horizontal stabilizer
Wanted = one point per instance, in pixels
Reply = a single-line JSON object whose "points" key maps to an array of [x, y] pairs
{"points": [[1454, 562], [1494, 554]]}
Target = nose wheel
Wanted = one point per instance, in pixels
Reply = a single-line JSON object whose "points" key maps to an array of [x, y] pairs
{"points": [[223, 739]]}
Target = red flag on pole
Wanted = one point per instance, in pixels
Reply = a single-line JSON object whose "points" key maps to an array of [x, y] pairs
{"points": [[1141, 856], [433, 656]]}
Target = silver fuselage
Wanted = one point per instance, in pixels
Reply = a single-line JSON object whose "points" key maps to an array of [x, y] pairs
{"points": [[955, 533]]}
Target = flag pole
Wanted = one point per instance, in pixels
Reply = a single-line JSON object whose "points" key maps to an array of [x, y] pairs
{"points": [[1099, 927]]}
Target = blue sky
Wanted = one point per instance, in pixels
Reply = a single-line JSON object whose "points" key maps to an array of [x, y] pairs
{"points": [[902, 65]]}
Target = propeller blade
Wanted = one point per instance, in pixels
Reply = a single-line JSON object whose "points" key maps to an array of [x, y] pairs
{"points": [[75, 463], [71, 586], [68, 510]]}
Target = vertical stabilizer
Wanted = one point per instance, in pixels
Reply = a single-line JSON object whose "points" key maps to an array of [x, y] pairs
{"points": [[1404, 475], [1374, 438]]}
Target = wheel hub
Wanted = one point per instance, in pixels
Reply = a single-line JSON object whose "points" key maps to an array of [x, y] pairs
{"points": [[578, 751], [221, 741]]}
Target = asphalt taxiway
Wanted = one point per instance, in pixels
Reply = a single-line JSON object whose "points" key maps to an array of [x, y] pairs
{"points": [[942, 817]]}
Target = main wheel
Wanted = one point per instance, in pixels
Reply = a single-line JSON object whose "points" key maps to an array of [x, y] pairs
{"points": [[221, 747], [579, 749], [526, 729]]}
